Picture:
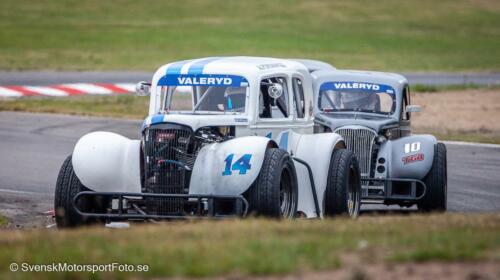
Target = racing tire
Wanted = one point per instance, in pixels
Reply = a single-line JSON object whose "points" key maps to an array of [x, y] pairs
{"points": [[67, 186], [343, 189], [435, 197], [275, 191]]}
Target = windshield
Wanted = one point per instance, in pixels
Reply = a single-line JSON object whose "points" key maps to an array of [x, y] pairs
{"points": [[356, 97], [209, 94]]}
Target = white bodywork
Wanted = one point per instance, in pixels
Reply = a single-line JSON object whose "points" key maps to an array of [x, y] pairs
{"points": [[108, 162]]}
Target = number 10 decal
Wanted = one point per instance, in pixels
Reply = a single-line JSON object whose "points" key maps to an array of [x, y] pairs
{"points": [[242, 164], [412, 147]]}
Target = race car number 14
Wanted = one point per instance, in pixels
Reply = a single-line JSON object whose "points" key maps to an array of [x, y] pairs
{"points": [[241, 165]]}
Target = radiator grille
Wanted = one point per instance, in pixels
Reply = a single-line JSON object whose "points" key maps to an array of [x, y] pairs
{"points": [[165, 144], [360, 141]]}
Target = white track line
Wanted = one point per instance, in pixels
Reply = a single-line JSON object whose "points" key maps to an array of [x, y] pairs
{"points": [[20, 192], [5, 92], [89, 88], [47, 91], [126, 86], [461, 143]]}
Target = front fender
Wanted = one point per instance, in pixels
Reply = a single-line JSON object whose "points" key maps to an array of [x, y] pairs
{"points": [[108, 162], [316, 150], [228, 168], [408, 157]]}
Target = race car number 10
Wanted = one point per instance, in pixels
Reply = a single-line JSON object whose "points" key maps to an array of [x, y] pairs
{"points": [[241, 165], [412, 147]]}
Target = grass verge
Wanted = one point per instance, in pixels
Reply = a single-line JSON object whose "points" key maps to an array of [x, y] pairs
{"points": [[418, 35], [3, 221], [129, 106], [440, 88], [123, 106], [464, 136], [258, 247]]}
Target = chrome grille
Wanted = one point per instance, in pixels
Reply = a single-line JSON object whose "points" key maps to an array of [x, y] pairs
{"points": [[360, 141], [163, 145]]}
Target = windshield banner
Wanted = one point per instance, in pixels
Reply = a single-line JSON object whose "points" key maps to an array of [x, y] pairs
{"points": [[357, 86], [203, 80]]}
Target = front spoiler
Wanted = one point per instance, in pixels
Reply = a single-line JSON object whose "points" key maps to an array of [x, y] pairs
{"points": [[391, 195], [206, 206]]}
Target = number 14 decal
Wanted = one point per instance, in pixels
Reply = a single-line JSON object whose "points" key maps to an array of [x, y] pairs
{"points": [[242, 164]]}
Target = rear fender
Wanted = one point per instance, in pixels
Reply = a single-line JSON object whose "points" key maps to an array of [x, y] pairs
{"points": [[108, 162], [408, 157], [316, 150], [230, 167]]}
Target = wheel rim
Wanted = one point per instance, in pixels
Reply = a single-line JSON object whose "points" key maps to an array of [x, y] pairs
{"points": [[287, 202], [353, 199]]}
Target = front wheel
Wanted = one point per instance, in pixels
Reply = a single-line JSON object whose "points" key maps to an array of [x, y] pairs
{"points": [[67, 187], [436, 183], [343, 189], [275, 192]]}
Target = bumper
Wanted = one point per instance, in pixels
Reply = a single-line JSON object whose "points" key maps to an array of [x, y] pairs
{"points": [[393, 190], [124, 206]]}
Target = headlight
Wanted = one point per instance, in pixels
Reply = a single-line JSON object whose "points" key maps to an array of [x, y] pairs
{"points": [[380, 139]]}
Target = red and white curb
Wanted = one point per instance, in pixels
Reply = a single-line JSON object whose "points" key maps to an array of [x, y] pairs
{"points": [[67, 89]]}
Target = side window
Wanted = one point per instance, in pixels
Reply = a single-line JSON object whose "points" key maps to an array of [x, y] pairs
{"points": [[298, 95], [273, 98], [405, 116]]}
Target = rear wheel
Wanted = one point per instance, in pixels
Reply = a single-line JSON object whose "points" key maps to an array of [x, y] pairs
{"points": [[343, 189], [435, 197], [275, 192], [67, 186]]}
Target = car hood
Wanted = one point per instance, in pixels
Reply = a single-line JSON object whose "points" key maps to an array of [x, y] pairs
{"points": [[337, 120], [196, 121]]}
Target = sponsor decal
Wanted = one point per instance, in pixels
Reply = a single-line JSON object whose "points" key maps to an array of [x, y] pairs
{"points": [[242, 120], [270, 66], [203, 80], [357, 86], [351, 85], [190, 81], [413, 158]]}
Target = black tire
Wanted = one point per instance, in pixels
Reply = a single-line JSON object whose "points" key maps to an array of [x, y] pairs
{"points": [[275, 191], [343, 189], [67, 186], [435, 197]]}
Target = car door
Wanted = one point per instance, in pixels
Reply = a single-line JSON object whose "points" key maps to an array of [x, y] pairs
{"points": [[275, 114]]}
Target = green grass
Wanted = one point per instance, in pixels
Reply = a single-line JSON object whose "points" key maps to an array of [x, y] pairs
{"points": [[422, 35], [122, 106], [3, 221], [257, 247], [466, 136], [438, 88]]}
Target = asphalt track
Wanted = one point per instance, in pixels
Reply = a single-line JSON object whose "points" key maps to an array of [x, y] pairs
{"points": [[40, 78], [33, 147]]}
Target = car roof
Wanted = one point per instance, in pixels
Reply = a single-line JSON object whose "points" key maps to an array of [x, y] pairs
{"points": [[247, 66], [314, 65]]}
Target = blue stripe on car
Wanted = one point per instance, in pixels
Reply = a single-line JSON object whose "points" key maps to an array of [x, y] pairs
{"points": [[197, 67], [176, 67], [284, 141], [157, 119]]}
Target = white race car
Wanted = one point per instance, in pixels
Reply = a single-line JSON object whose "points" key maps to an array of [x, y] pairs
{"points": [[224, 137]]}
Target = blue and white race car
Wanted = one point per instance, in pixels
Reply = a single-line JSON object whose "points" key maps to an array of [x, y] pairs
{"points": [[224, 137]]}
